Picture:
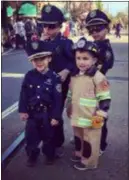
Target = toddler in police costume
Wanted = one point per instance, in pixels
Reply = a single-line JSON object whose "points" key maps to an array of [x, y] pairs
{"points": [[88, 101], [38, 104], [97, 24]]}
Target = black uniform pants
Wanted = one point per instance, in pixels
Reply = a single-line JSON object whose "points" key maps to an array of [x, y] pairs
{"points": [[38, 129], [103, 142]]}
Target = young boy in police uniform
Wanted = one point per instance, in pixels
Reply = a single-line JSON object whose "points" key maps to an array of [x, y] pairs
{"points": [[63, 61], [97, 24], [38, 104]]}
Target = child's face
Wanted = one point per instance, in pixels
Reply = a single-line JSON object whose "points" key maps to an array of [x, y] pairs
{"points": [[41, 64], [84, 60], [51, 30], [98, 32]]}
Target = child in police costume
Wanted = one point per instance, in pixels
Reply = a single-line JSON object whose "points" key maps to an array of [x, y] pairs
{"points": [[88, 101], [63, 61], [97, 24], [40, 104]]}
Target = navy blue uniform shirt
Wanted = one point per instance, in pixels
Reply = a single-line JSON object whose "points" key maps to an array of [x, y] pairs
{"points": [[106, 55], [62, 57], [39, 90]]}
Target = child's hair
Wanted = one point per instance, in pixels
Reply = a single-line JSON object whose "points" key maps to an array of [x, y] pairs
{"points": [[81, 50]]}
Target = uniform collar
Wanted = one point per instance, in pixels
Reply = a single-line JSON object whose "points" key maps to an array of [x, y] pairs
{"points": [[57, 37], [47, 74], [90, 72], [103, 41]]}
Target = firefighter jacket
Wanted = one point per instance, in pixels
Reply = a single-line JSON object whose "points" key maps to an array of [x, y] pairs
{"points": [[89, 96]]}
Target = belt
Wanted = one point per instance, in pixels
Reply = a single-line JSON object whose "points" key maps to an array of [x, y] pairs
{"points": [[40, 108]]}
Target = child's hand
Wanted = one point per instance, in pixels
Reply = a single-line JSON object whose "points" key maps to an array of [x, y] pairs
{"points": [[24, 116], [63, 74], [54, 122]]}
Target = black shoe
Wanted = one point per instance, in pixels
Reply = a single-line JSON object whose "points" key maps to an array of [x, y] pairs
{"points": [[75, 158], [49, 161], [31, 162]]}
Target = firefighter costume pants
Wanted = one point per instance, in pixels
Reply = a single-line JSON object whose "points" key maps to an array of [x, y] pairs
{"points": [[87, 145]]}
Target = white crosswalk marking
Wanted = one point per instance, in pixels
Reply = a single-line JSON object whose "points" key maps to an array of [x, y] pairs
{"points": [[10, 110], [13, 75]]}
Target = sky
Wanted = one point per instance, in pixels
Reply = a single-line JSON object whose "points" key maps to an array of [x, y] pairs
{"points": [[115, 7]]}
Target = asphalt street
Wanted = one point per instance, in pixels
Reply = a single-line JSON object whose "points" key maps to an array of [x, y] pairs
{"points": [[113, 164]]}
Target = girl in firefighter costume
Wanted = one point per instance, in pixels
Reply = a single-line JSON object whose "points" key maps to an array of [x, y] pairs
{"points": [[88, 101]]}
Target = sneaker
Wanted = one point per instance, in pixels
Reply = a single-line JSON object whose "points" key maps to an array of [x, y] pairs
{"points": [[59, 152], [31, 162], [82, 167], [101, 153], [75, 158]]}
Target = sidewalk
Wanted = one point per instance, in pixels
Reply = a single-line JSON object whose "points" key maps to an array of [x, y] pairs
{"points": [[113, 164]]}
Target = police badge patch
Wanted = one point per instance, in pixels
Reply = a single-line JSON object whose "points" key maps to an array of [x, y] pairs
{"points": [[93, 14], [59, 88], [35, 45], [48, 9], [108, 55]]}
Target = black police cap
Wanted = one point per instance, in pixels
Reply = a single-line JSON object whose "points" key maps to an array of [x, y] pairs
{"points": [[38, 49], [51, 15], [97, 17], [83, 44]]}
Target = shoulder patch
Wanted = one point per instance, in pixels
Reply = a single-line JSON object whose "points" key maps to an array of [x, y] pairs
{"points": [[59, 88], [108, 55]]}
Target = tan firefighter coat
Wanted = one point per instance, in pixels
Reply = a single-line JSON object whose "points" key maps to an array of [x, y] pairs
{"points": [[85, 92]]}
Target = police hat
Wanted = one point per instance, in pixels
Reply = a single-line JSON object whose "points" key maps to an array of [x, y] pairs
{"points": [[51, 15], [38, 49], [39, 55], [85, 45], [97, 17]]}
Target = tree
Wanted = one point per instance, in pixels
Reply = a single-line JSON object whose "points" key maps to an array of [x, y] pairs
{"points": [[99, 5]]}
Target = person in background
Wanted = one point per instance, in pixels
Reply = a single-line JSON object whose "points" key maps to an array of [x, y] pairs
{"points": [[19, 29]]}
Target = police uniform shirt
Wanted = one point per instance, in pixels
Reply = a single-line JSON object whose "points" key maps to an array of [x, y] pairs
{"points": [[106, 55], [63, 57], [41, 90]]}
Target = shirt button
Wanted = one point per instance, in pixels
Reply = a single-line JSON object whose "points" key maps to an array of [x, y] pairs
{"points": [[38, 97], [38, 86]]}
